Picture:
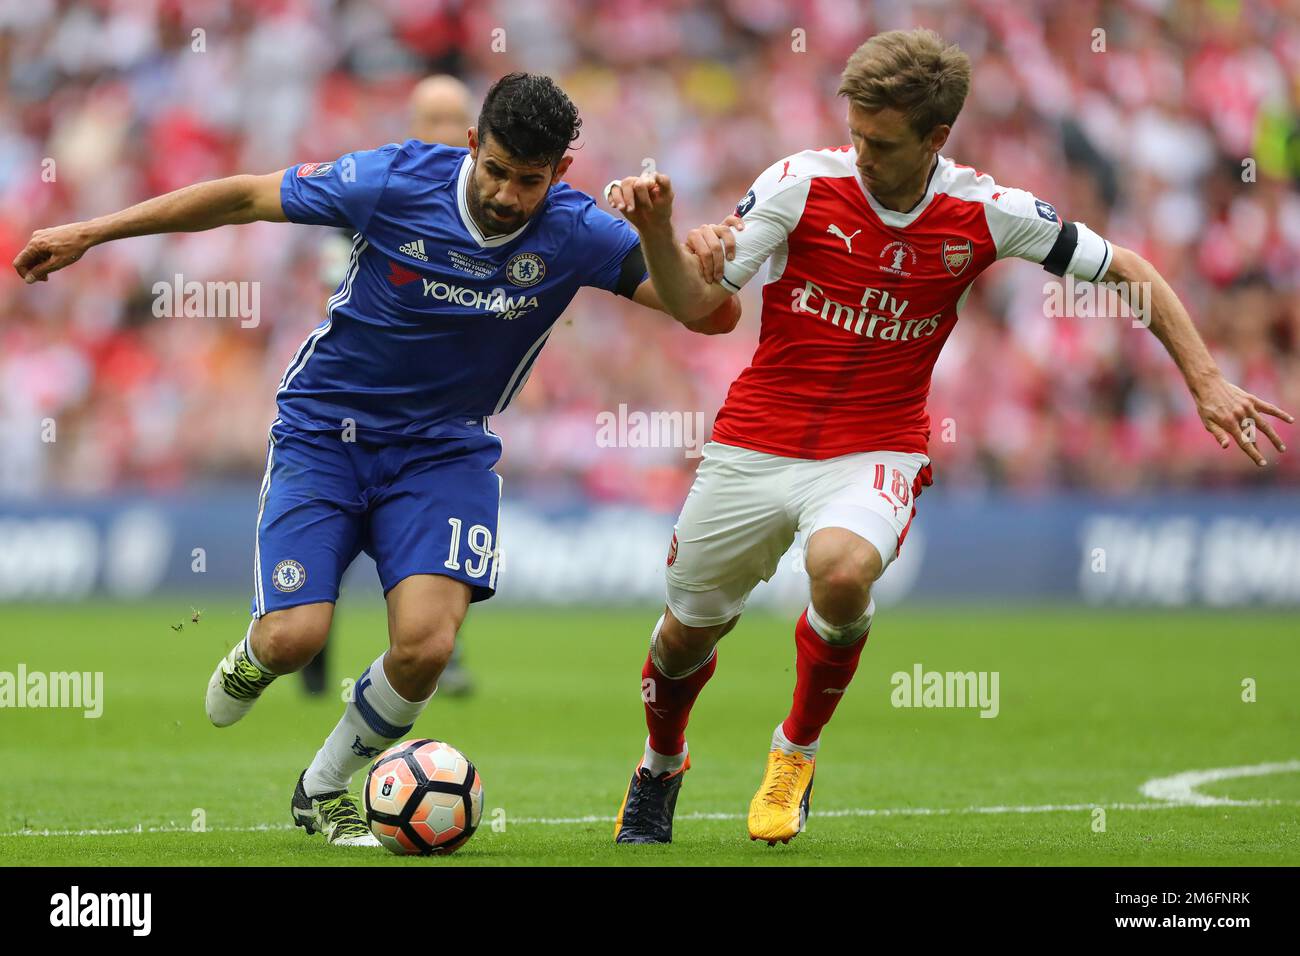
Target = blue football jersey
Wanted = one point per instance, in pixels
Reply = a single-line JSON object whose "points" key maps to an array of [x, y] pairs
{"points": [[435, 326]]}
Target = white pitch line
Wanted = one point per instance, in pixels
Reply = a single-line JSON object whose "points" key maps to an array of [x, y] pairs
{"points": [[1175, 792], [1181, 788], [128, 831], [917, 811], [577, 821]]}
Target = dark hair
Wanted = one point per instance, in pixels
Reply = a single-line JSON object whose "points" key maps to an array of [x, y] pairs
{"points": [[530, 117]]}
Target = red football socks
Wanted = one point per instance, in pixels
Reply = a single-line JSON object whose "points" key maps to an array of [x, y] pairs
{"points": [[668, 703], [824, 672]]}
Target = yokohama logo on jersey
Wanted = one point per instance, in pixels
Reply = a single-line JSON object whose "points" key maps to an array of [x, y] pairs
{"points": [[483, 300]]}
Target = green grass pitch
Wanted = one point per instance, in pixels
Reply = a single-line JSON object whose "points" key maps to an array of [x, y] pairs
{"points": [[1092, 704]]}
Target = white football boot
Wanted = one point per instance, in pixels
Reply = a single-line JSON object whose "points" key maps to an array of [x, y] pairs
{"points": [[235, 686]]}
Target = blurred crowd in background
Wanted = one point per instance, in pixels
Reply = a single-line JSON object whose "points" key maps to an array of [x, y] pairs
{"points": [[1175, 131]]}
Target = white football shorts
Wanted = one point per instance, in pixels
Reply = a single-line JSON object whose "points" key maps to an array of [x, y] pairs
{"points": [[745, 506]]}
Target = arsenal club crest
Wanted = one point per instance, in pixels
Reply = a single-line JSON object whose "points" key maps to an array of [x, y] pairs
{"points": [[956, 255]]}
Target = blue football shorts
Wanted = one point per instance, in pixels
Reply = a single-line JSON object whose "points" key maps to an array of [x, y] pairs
{"points": [[416, 507]]}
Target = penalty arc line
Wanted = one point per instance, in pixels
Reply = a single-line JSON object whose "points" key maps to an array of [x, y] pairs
{"points": [[1181, 788]]}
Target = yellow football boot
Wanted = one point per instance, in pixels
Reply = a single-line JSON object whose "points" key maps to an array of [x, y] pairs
{"points": [[779, 811]]}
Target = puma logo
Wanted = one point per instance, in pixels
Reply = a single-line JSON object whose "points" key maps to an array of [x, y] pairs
{"points": [[835, 230], [785, 171], [833, 690]]}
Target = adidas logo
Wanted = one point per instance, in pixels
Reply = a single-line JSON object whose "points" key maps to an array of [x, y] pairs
{"points": [[414, 249]]}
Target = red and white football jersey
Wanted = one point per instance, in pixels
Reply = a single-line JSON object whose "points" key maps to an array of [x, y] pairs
{"points": [[859, 299]]}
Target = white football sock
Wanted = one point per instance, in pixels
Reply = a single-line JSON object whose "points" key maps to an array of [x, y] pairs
{"points": [[248, 648], [375, 719], [657, 763], [848, 634], [781, 742]]}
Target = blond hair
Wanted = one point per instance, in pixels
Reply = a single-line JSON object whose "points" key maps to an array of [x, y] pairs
{"points": [[912, 71]]}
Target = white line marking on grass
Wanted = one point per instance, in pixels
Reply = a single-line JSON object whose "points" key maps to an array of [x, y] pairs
{"points": [[165, 828], [918, 811], [1174, 792], [1180, 789], [593, 819]]}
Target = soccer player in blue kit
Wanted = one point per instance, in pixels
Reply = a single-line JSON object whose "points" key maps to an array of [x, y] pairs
{"points": [[462, 262]]}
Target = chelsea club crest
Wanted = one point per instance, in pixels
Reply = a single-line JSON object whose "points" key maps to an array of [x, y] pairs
{"points": [[525, 269], [289, 576]]}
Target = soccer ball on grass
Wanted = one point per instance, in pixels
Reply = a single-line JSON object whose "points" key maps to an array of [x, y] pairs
{"points": [[423, 797]]}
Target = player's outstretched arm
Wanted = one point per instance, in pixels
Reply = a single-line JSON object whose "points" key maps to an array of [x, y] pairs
{"points": [[1228, 412], [679, 283], [718, 322], [712, 245], [221, 202]]}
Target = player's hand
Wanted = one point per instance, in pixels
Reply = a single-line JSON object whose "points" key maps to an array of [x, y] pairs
{"points": [[49, 250], [645, 201], [1233, 414], [713, 245]]}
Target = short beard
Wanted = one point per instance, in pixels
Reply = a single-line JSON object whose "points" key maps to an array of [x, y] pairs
{"points": [[478, 213]]}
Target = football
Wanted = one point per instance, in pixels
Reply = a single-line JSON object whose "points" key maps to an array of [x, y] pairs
{"points": [[423, 797]]}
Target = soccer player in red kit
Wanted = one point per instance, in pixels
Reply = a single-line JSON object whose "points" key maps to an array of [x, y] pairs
{"points": [[872, 249]]}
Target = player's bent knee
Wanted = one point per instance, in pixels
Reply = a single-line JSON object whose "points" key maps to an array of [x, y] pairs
{"points": [[677, 634], [416, 666], [684, 647], [681, 648], [424, 613], [423, 651], [840, 559], [842, 567], [842, 582], [286, 640]]}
